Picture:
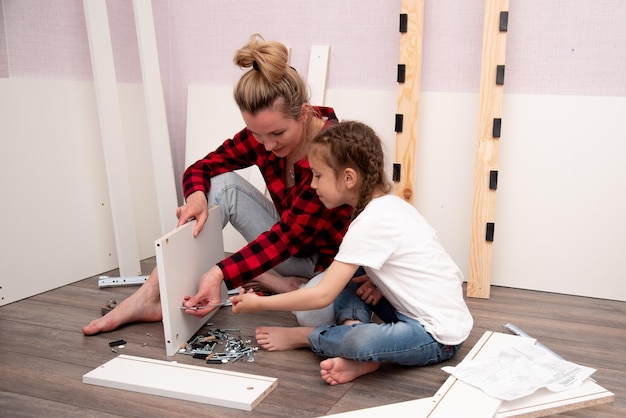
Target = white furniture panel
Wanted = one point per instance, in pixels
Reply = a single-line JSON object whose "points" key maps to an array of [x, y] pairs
{"points": [[112, 133], [181, 261], [181, 381], [162, 163], [57, 214], [458, 399]]}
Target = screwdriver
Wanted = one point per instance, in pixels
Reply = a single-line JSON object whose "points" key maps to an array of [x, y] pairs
{"points": [[213, 305]]}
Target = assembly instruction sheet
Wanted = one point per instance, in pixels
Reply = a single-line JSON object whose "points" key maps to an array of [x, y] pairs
{"points": [[519, 371]]}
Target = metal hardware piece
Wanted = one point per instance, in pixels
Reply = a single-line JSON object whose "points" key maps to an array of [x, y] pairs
{"points": [[205, 346], [106, 281], [213, 305]]}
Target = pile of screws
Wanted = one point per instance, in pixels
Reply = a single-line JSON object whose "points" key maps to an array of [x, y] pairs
{"points": [[206, 345]]}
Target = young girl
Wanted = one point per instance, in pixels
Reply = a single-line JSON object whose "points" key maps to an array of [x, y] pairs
{"points": [[425, 320]]}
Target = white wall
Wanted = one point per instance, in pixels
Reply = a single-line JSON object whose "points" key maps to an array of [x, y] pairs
{"points": [[563, 136]]}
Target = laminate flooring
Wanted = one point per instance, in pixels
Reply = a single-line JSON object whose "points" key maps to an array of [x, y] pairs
{"points": [[43, 356]]}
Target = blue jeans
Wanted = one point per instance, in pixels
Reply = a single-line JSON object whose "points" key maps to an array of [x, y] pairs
{"points": [[251, 213], [399, 339]]}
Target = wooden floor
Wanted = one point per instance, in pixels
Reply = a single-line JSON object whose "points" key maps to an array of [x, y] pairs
{"points": [[43, 356]]}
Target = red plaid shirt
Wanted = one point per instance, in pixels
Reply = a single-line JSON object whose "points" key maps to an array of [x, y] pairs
{"points": [[306, 227]]}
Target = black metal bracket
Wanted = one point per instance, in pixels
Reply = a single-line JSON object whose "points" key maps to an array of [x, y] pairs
{"points": [[399, 122]]}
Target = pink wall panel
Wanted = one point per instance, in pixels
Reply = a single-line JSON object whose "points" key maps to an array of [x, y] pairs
{"points": [[570, 47], [452, 47], [4, 59], [197, 40], [47, 39], [124, 40], [566, 47]]}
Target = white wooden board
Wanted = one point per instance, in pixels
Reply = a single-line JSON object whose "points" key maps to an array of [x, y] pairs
{"points": [[58, 146], [112, 132], [318, 71], [544, 403], [457, 399], [181, 260], [182, 381], [162, 163], [569, 182], [416, 408]]}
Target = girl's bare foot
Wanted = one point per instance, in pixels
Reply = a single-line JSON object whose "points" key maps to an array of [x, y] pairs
{"points": [[281, 339], [273, 283], [142, 306], [339, 370]]}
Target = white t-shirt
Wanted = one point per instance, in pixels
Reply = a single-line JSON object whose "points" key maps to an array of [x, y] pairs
{"points": [[402, 255]]}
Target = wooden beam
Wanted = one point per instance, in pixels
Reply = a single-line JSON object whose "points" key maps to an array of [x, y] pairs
{"points": [[411, 31], [484, 203]]}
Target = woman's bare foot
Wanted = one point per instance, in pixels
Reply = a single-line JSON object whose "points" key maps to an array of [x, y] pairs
{"points": [[281, 338], [339, 370], [273, 283], [142, 306]]}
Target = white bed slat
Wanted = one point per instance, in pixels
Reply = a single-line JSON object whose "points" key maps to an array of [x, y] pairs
{"points": [[182, 381]]}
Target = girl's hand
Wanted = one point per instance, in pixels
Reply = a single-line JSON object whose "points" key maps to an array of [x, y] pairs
{"points": [[196, 208], [367, 291], [246, 302]]}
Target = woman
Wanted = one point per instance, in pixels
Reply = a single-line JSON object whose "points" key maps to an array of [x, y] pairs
{"points": [[293, 234]]}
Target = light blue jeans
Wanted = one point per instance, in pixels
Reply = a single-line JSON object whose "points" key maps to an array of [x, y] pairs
{"points": [[399, 339], [252, 213]]}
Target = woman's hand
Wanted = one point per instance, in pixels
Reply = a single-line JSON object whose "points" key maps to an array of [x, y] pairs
{"points": [[367, 291], [196, 208], [245, 302], [209, 293]]}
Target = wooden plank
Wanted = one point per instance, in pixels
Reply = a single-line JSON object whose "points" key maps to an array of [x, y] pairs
{"points": [[318, 69], [408, 97], [162, 162], [415, 408], [107, 98], [544, 402], [456, 398], [484, 202], [181, 381], [181, 260]]}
